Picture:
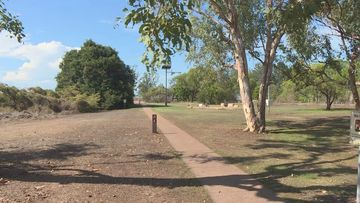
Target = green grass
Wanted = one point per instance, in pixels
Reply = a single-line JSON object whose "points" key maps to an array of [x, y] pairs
{"points": [[304, 156]]}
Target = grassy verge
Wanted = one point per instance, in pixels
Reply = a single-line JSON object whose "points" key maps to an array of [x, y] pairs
{"points": [[305, 156]]}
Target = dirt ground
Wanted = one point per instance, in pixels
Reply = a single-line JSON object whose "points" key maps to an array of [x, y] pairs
{"points": [[99, 157]]}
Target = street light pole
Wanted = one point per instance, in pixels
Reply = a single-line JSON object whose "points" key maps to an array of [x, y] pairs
{"points": [[166, 67], [166, 94]]}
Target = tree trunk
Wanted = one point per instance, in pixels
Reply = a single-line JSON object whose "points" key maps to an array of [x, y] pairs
{"points": [[243, 79], [246, 100], [263, 89], [272, 43], [231, 18], [270, 52], [352, 68], [328, 103], [352, 84]]}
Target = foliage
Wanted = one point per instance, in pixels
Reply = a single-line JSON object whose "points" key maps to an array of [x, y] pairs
{"points": [[163, 28], [10, 23], [326, 79], [278, 76], [149, 90], [223, 30], [20, 100], [209, 46], [155, 94], [205, 85], [82, 102], [332, 33], [96, 71], [146, 82], [86, 103]]}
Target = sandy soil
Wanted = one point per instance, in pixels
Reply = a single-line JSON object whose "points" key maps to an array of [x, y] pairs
{"points": [[99, 157]]}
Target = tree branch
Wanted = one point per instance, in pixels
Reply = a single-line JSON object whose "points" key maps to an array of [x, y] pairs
{"points": [[212, 18], [217, 8]]}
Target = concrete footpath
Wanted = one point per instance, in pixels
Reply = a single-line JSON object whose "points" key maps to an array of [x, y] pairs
{"points": [[224, 182]]}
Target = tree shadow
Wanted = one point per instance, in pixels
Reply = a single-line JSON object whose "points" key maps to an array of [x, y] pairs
{"points": [[28, 166], [322, 124], [321, 137], [272, 175], [158, 156], [15, 164]]}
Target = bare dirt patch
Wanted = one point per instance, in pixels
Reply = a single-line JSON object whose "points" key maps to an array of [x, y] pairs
{"points": [[100, 157]]}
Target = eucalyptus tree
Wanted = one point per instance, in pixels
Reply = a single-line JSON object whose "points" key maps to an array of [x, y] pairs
{"points": [[325, 78], [10, 23], [341, 17], [252, 26], [332, 33]]}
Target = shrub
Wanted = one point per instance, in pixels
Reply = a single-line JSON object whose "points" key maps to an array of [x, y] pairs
{"points": [[86, 103], [83, 106], [34, 99]]}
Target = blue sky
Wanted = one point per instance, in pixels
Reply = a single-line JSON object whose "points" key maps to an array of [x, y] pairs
{"points": [[54, 27]]}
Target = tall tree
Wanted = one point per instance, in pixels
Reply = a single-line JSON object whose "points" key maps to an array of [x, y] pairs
{"points": [[97, 69], [165, 28], [10, 23], [342, 18]]}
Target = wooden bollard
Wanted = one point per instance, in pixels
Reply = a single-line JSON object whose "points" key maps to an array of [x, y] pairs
{"points": [[154, 123]]}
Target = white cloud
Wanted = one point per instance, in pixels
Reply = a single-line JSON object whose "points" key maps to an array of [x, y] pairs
{"points": [[40, 62]]}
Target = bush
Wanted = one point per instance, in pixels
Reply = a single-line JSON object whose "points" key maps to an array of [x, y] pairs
{"points": [[155, 94], [33, 99], [86, 103], [83, 106], [96, 69]]}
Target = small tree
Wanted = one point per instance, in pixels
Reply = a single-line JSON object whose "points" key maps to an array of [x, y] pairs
{"points": [[146, 82], [323, 78]]}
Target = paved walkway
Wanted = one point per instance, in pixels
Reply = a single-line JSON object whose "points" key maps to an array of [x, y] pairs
{"points": [[224, 182]]}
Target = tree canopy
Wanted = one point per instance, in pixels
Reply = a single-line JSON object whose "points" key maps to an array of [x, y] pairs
{"points": [[97, 70], [253, 26], [206, 85], [227, 33]]}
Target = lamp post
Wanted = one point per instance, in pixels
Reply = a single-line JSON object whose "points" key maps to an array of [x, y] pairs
{"points": [[166, 67]]}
